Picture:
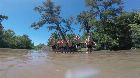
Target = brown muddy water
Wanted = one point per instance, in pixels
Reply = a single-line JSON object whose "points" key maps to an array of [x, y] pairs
{"points": [[35, 64]]}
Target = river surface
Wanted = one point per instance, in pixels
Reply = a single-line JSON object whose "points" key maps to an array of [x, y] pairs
{"points": [[35, 64]]}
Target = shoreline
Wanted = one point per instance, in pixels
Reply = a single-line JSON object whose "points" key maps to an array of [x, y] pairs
{"points": [[99, 52], [84, 52], [10, 49]]}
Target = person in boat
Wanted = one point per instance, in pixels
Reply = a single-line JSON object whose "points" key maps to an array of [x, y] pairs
{"points": [[52, 43], [89, 43], [64, 46], [60, 45], [69, 45], [73, 45], [77, 41]]}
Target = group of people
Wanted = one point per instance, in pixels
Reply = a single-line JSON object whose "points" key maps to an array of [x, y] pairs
{"points": [[70, 45]]}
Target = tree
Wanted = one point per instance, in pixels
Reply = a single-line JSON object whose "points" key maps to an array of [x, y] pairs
{"points": [[55, 37], [8, 36], [50, 15], [123, 32], [86, 19], [70, 36], [105, 11], [40, 46], [2, 41], [128, 29], [10, 40], [2, 17], [135, 29], [23, 42]]}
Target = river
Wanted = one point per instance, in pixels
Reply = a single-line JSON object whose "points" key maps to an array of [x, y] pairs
{"points": [[43, 64]]}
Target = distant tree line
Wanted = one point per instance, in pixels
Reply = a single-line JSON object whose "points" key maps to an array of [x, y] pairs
{"points": [[8, 38], [40, 46]]}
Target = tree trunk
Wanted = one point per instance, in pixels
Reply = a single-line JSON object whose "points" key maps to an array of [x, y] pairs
{"points": [[88, 32], [87, 27]]}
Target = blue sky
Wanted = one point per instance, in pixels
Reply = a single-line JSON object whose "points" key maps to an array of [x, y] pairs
{"points": [[21, 15]]}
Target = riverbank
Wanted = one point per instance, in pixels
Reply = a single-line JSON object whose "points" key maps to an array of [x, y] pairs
{"points": [[80, 51], [10, 49], [84, 50]]}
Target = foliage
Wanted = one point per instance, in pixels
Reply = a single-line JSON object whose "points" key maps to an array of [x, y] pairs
{"points": [[105, 9], [104, 30], [8, 38], [2, 17], [135, 28], [86, 20], [70, 36], [111, 28], [39, 46], [50, 15], [122, 32], [23, 42]]}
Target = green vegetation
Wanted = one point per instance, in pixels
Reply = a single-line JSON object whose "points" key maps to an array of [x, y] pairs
{"points": [[40, 46], [50, 15], [104, 13], [8, 38], [111, 27]]}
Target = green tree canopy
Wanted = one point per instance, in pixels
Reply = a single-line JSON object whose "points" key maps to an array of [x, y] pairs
{"points": [[50, 16]]}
